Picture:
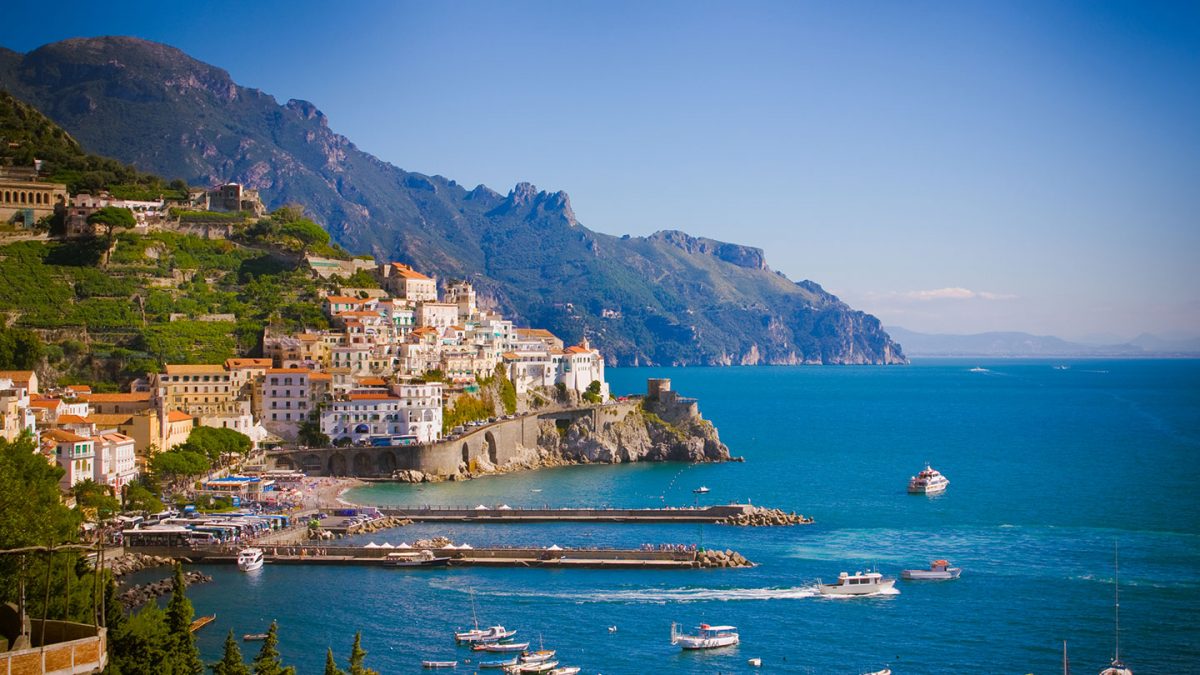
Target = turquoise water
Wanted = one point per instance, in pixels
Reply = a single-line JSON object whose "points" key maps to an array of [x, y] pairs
{"points": [[1048, 468]]}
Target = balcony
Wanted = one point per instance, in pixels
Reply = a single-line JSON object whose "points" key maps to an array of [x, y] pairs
{"points": [[69, 647]]}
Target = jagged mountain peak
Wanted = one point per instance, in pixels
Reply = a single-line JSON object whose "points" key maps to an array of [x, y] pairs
{"points": [[667, 299]]}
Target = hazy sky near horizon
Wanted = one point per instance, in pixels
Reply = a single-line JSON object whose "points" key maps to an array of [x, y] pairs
{"points": [[950, 167]]}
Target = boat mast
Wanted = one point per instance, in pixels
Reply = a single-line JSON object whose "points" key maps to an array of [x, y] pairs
{"points": [[1066, 662], [1117, 601], [474, 617]]}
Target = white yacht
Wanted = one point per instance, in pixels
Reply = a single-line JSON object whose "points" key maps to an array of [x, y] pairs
{"points": [[929, 481], [859, 583], [706, 637], [250, 559]]}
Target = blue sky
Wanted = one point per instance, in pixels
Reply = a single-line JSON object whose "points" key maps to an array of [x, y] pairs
{"points": [[950, 167]]}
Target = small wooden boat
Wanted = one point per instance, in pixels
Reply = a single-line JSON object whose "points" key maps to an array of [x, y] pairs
{"points": [[566, 670], [501, 647], [885, 671], [254, 637], [537, 657], [439, 664], [500, 663], [543, 667], [202, 622]]}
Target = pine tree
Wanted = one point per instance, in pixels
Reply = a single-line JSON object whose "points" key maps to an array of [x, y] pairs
{"points": [[331, 665], [231, 662], [185, 656], [268, 662], [357, 655]]}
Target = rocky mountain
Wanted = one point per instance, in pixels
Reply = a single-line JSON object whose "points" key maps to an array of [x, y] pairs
{"points": [[664, 299]]}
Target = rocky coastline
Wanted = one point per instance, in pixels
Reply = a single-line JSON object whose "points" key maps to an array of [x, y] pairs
{"points": [[660, 428]]}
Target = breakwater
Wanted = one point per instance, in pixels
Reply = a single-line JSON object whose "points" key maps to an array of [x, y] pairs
{"points": [[731, 513], [671, 557]]}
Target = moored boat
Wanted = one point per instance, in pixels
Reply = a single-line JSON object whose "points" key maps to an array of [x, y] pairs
{"points": [[938, 570], [254, 637], [439, 664], [417, 559], [542, 667], [885, 671], [566, 670], [929, 481], [499, 663], [859, 583], [538, 656], [706, 637], [1117, 666], [250, 559], [202, 622], [701, 490], [501, 647]]}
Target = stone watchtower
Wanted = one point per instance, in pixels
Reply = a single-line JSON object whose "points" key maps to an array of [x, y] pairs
{"points": [[659, 389]]}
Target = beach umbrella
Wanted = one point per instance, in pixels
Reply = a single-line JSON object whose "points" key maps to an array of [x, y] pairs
{"points": [[386, 545], [372, 545], [403, 545], [554, 547], [481, 507]]}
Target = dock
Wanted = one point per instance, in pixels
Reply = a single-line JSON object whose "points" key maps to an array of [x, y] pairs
{"points": [[503, 514], [555, 558]]}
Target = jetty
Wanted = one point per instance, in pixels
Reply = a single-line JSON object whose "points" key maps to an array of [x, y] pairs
{"points": [[672, 557], [507, 514]]}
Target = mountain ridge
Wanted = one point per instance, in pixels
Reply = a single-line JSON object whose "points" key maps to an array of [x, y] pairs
{"points": [[1020, 344], [668, 298]]}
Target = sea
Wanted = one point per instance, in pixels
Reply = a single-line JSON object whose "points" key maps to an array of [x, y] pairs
{"points": [[1056, 468]]}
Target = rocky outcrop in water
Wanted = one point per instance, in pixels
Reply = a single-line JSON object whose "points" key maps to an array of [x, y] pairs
{"points": [[140, 595], [763, 517]]}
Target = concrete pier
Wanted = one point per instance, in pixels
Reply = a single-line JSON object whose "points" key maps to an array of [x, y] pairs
{"points": [[601, 558], [462, 514]]}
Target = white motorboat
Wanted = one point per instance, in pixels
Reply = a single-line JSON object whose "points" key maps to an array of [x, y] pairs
{"points": [[929, 481], [859, 583], [706, 637], [1117, 667], [250, 559], [500, 663], [701, 490], [939, 570], [439, 664], [484, 635], [422, 558], [566, 670], [885, 671]]}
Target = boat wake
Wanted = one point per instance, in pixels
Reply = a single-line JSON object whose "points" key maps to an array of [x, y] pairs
{"points": [[662, 596]]}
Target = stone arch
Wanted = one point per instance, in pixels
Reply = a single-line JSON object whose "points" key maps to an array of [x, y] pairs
{"points": [[312, 462], [337, 464], [466, 453], [362, 464], [284, 463], [492, 453], [386, 461]]}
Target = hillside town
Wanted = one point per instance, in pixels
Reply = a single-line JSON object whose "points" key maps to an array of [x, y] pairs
{"points": [[395, 357]]}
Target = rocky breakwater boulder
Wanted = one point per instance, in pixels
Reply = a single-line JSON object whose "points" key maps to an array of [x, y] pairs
{"points": [[763, 517], [140, 595], [135, 562], [645, 432], [726, 558]]}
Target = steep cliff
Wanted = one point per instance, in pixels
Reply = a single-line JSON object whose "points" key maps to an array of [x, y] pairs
{"points": [[664, 299]]}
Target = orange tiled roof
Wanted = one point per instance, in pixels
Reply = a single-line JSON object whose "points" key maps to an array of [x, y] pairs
{"points": [[61, 436], [17, 375], [178, 416], [535, 332], [194, 369], [407, 272], [576, 349], [371, 397], [288, 371], [47, 403], [232, 364], [79, 388], [117, 398], [373, 381], [71, 419], [105, 420], [320, 376], [343, 300]]}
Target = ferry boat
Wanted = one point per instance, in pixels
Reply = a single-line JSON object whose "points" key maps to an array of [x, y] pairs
{"points": [[939, 570], [859, 583], [706, 637], [929, 481], [250, 559]]}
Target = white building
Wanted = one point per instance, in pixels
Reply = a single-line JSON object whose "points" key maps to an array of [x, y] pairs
{"points": [[438, 315], [74, 453], [403, 281], [286, 395], [115, 462], [407, 413]]}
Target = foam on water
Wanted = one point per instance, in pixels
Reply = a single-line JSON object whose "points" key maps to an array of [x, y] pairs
{"points": [[655, 596]]}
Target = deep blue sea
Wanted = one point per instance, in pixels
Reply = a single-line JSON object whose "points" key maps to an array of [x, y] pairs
{"points": [[1049, 469]]}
